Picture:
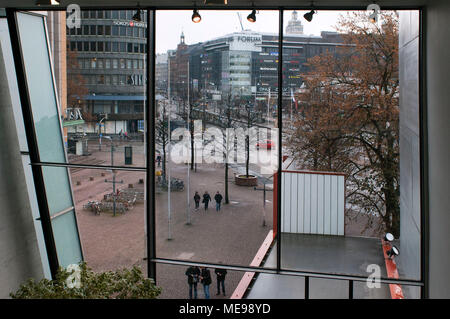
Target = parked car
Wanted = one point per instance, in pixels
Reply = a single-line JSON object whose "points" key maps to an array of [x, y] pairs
{"points": [[267, 144]]}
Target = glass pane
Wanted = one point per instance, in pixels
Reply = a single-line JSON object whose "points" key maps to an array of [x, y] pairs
{"points": [[364, 290], [341, 189], [66, 237], [111, 217], [41, 89], [58, 188], [221, 114], [45, 111], [103, 118], [174, 283]]}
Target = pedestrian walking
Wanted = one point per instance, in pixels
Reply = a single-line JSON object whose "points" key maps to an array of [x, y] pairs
{"points": [[206, 199], [197, 200], [158, 160], [218, 199], [205, 277], [220, 273], [193, 274]]}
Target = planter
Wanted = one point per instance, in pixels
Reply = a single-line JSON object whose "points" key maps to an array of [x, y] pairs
{"points": [[243, 180]]}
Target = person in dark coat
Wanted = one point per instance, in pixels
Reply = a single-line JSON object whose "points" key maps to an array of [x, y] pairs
{"points": [[206, 199], [158, 160], [193, 274], [197, 200], [220, 273], [205, 278], [218, 199]]}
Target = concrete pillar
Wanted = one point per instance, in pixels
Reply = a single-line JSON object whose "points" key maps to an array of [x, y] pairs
{"points": [[438, 122], [19, 251]]}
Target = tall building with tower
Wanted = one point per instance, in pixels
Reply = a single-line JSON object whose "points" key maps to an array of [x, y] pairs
{"points": [[294, 26]]}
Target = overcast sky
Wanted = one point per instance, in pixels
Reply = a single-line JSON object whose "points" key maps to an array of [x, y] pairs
{"points": [[169, 25]]}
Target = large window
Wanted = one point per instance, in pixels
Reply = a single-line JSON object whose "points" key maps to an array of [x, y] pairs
{"points": [[273, 155]]}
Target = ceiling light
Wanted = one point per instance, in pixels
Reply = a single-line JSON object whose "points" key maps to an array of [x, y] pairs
{"points": [[309, 16], [196, 18], [252, 16], [47, 2], [137, 16], [388, 237], [393, 252]]}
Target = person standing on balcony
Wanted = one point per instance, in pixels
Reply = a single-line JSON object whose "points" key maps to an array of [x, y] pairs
{"points": [[206, 199], [220, 273], [205, 278], [193, 274]]}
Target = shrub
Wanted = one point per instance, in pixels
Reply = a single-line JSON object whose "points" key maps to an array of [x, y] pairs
{"points": [[120, 284]]}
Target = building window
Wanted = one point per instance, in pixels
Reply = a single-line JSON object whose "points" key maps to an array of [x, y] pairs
{"points": [[107, 63], [107, 30], [122, 63], [123, 47], [115, 63], [115, 47], [115, 30]]}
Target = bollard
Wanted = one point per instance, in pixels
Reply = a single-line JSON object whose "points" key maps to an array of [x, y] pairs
{"points": [[91, 178], [78, 183], [103, 174], [141, 181], [130, 185]]}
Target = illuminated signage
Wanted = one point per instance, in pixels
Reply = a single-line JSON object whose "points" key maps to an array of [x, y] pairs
{"points": [[130, 23]]}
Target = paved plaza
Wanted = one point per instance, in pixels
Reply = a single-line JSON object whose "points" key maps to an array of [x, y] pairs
{"points": [[231, 236]]}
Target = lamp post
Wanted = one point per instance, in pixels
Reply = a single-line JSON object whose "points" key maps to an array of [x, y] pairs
{"points": [[113, 176]]}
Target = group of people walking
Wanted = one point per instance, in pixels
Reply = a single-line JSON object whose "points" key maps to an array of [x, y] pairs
{"points": [[203, 275], [206, 199]]}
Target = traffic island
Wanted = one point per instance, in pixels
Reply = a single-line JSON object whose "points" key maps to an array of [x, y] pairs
{"points": [[244, 180]]}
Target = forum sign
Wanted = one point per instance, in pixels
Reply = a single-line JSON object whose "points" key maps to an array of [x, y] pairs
{"points": [[245, 42]]}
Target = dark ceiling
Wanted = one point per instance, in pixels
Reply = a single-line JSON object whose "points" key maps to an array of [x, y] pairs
{"points": [[344, 4]]}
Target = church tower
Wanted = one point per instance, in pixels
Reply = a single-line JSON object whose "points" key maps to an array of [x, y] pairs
{"points": [[294, 25]]}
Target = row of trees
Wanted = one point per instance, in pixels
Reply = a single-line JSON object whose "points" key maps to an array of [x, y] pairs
{"points": [[348, 120]]}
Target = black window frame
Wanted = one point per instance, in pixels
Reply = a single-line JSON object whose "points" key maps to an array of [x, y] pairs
{"points": [[152, 258]]}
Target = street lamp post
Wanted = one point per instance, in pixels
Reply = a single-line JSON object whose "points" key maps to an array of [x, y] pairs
{"points": [[113, 176]]}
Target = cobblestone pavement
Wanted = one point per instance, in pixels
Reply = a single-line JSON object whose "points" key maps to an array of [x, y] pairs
{"points": [[231, 236]]}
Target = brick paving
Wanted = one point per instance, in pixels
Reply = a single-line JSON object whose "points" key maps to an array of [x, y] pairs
{"points": [[231, 236]]}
